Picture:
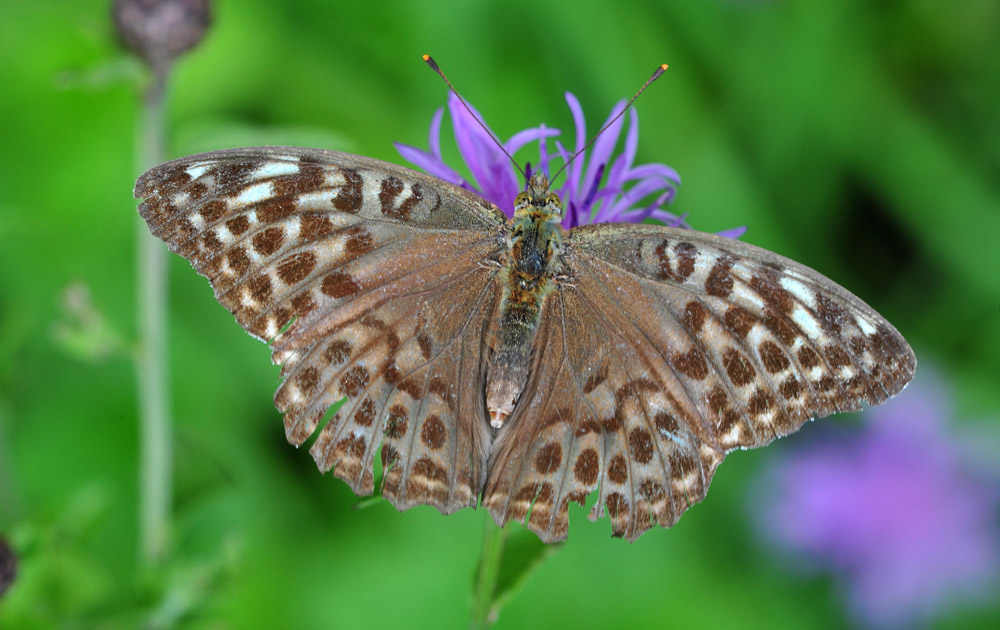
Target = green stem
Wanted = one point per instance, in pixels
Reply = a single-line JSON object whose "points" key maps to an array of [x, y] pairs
{"points": [[484, 589], [156, 440]]}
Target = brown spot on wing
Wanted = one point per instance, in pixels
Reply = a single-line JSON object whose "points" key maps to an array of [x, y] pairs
{"points": [[837, 358], [260, 288], [808, 357], [365, 415], [296, 267], [238, 224], [780, 326], [586, 468], [695, 315], [424, 342], [396, 423], [548, 459], [617, 469], [349, 196], [307, 178], [307, 379], [275, 209], [640, 445], [738, 368], [772, 294], [594, 381], [238, 261], [831, 315], [337, 352], [354, 380], [691, 363], [357, 241], [433, 433], [268, 241], [686, 254], [314, 226], [772, 356], [666, 423], [739, 320], [213, 210], [720, 279], [338, 284]]}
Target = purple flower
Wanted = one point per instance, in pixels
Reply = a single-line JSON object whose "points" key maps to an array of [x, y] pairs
{"points": [[894, 510], [598, 187]]}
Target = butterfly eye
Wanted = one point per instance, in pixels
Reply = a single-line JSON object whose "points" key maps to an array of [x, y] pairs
{"points": [[555, 202], [521, 200]]}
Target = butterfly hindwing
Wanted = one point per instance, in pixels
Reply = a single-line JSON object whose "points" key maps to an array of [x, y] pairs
{"points": [[622, 429], [378, 274]]}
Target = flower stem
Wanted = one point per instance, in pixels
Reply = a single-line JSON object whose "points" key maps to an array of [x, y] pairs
{"points": [[156, 440], [484, 588]]}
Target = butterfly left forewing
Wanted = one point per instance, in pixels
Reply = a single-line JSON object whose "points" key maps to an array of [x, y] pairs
{"points": [[378, 276]]}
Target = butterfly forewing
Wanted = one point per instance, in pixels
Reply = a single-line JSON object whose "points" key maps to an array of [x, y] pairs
{"points": [[382, 270]]}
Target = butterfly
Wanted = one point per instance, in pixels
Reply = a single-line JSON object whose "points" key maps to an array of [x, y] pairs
{"points": [[507, 361]]}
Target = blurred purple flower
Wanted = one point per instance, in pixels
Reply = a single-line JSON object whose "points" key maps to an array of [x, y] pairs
{"points": [[624, 196], [894, 510]]}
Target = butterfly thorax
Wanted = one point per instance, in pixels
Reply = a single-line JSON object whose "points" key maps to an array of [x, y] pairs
{"points": [[533, 244]]}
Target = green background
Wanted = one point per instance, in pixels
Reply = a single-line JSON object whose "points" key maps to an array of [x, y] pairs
{"points": [[860, 138]]}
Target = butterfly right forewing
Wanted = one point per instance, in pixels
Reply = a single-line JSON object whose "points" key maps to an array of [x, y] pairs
{"points": [[379, 274], [777, 342]]}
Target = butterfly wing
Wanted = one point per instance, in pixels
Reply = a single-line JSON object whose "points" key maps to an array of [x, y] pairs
{"points": [[381, 272], [669, 348]]}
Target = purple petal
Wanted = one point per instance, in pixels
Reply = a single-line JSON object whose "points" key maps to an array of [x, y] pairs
{"points": [[522, 138], [654, 170], [428, 163], [735, 232], [601, 150], [573, 171], [434, 137]]}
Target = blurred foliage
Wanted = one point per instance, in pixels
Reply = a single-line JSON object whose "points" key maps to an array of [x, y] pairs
{"points": [[860, 138]]}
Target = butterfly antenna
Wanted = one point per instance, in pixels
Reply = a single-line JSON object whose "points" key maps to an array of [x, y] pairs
{"points": [[656, 75], [436, 68]]}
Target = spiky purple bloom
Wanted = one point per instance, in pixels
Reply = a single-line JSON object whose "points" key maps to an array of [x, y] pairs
{"points": [[893, 510], [598, 186]]}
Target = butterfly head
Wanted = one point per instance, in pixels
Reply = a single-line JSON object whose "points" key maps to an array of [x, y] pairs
{"points": [[539, 200]]}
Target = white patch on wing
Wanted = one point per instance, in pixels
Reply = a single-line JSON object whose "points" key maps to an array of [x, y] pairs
{"points": [[801, 292], [224, 235], [271, 330], [743, 293], [866, 326], [180, 199], [253, 194], [806, 322], [275, 169], [196, 170], [295, 394]]}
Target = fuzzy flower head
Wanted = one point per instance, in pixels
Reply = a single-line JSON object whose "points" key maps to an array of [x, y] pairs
{"points": [[598, 186], [894, 511]]}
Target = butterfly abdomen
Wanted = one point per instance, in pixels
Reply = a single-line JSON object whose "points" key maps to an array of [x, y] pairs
{"points": [[527, 279]]}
